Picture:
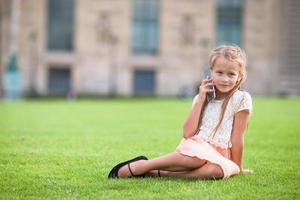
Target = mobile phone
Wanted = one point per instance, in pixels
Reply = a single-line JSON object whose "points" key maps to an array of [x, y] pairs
{"points": [[211, 95]]}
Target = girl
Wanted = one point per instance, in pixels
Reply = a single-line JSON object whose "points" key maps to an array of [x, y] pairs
{"points": [[213, 133]]}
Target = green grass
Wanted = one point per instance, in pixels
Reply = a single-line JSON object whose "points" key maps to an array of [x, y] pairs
{"points": [[58, 149]]}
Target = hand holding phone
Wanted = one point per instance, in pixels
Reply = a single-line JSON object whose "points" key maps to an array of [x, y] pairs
{"points": [[211, 95], [206, 89]]}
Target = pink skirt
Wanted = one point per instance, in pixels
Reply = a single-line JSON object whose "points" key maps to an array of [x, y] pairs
{"points": [[196, 147]]}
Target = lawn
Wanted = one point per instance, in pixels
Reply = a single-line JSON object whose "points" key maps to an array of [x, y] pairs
{"points": [[55, 149]]}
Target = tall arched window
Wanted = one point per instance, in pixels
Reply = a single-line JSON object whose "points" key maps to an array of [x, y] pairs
{"points": [[146, 27], [60, 24], [230, 21]]}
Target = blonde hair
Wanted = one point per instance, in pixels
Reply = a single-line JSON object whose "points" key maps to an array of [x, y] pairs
{"points": [[231, 53]]}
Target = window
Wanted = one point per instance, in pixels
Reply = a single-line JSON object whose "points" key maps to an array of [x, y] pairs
{"points": [[60, 24], [145, 27], [230, 18]]}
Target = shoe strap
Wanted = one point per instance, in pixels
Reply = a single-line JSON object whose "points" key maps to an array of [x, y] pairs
{"points": [[130, 170], [158, 172]]}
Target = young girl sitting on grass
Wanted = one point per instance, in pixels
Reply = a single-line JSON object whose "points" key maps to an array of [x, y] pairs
{"points": [[213, 133]]}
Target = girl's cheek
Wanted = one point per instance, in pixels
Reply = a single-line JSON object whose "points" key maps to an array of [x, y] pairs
{"points": [[235, 80]]}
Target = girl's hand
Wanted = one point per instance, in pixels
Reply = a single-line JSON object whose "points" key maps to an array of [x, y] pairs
{"points": [[247, 171], [205, 87]]}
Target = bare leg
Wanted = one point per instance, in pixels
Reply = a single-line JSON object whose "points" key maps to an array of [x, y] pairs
{"points": [[207, 171], [171, 162]]}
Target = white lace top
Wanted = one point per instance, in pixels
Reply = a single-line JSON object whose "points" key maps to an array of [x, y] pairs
{"points": [[240, 100]]}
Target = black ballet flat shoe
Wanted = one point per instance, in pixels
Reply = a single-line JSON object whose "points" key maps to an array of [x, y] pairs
{"points": [[114, 172]]}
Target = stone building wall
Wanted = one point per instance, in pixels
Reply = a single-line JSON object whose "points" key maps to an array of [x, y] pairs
{"points": [[99, 65]]}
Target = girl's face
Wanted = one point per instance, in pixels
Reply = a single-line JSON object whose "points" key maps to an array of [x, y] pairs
{"points": [[225, 75]]}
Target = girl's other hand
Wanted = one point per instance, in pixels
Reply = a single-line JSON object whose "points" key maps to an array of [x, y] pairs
{"points": [[205, 87], [247, 171]]}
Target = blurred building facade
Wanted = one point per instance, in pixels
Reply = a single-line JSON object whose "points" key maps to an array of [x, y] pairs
{"points": [[148, 47]]}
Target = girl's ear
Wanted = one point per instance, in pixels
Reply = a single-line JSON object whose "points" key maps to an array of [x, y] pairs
{"points": [[240, 78]]}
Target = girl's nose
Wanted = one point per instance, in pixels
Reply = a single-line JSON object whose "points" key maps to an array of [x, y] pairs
{"points": [[224, 78]]}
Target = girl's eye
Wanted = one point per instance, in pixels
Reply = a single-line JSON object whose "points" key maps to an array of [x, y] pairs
{"points": [[232, 74]]}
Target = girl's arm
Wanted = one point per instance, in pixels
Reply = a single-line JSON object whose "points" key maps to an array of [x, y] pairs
{"points": [[237, 137], [191, 124]]}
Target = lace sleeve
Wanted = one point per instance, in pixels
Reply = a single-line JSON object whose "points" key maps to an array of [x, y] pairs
{"points": [[245, 103]]}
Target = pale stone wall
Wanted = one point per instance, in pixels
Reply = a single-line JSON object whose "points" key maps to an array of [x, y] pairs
{"points": [[95, 62], [95, 56], [183, 64], [260, 39], [5, 17]]}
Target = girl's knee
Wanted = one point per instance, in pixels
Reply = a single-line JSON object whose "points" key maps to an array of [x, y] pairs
{"points": [[215, 170]]}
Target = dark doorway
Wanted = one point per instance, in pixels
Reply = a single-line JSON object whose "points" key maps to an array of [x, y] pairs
{"points": [[144, 83], [59, 81]]}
